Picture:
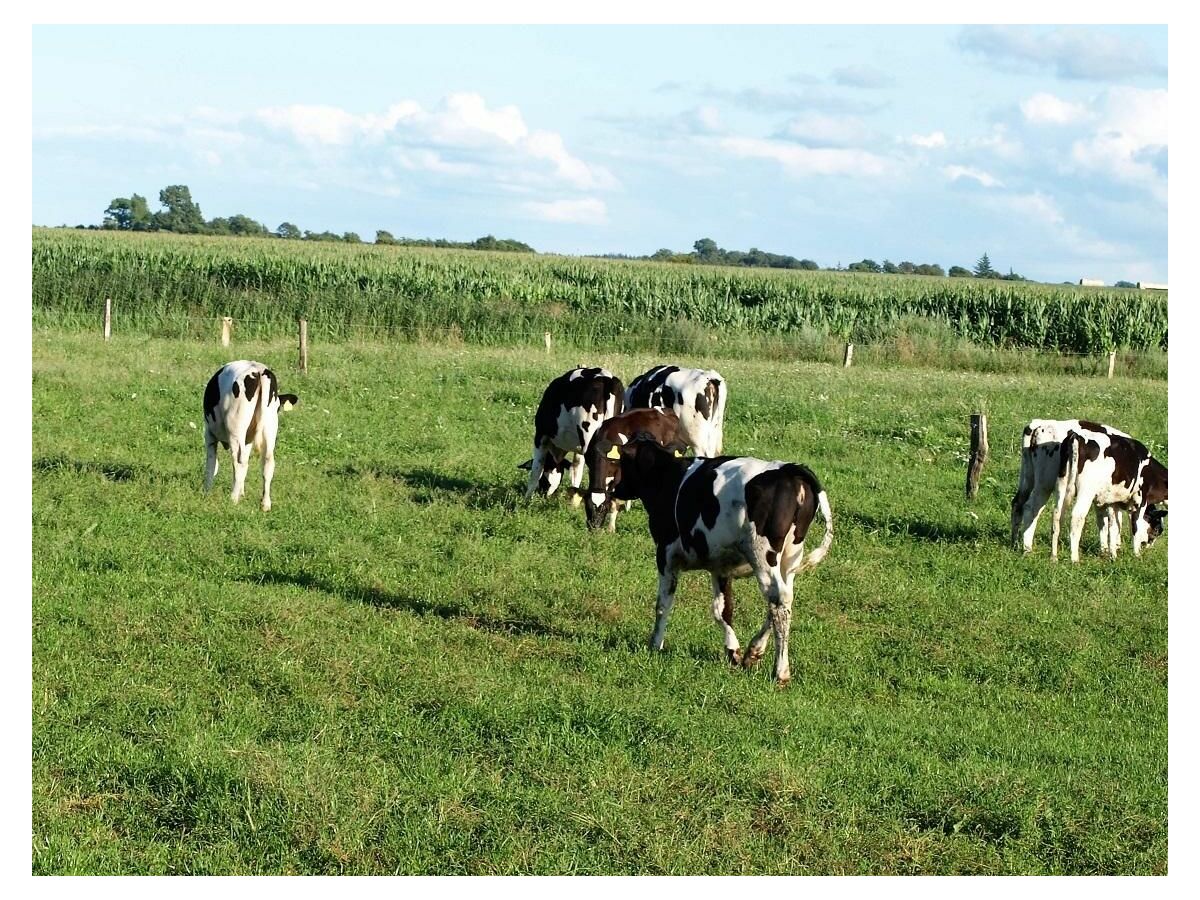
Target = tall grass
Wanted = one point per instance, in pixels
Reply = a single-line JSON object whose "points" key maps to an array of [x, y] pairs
{"points": [[161, 280]]}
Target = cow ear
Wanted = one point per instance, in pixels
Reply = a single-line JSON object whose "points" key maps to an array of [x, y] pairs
{"points": [[287, 401], [613, 452], [527, 465], [678, 453]]}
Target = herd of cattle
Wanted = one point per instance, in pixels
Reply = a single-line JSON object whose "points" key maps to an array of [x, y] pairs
{"points": [[734, 516]]}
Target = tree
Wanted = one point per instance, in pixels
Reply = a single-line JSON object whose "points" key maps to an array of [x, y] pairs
{"points": [[890, 267], [351, 237], [959, 272], [867, 265], [983, 268], [384, 237], [929, 269], [288, 231], [181, 214], [240, 224], [128, 213], [1125, 284], [706, 248], [808, 265], [906, 268]]}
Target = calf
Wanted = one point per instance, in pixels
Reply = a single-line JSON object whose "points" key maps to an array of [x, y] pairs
{"points": [[1040, 458], [1110, 471], [696, 396], [604, 461], [572, 406], [241, 413], [734, 516]]}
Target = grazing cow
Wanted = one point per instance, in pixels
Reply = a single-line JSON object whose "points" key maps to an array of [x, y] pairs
{"points": [[1110, 471], [697, 396], [734, 516], [1040, 444], [604, 461], [572, 406], [241, 413]]}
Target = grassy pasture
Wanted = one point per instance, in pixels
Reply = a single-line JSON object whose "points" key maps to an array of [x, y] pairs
{"points": [[403, 668]]}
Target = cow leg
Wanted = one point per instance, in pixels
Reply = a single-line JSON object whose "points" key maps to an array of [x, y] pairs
{"points": [[612, 515], [722, 610], [210, 458], [268, 454], [535, 472], [1029, 519], [1109, 527], [240, 451], [779, 611], [758, 644], [667, 581], [576, 479], [1079, 513]]}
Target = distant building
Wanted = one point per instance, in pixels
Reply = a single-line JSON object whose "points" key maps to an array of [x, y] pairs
{"points": [[1092, 282], [1150, 286]]}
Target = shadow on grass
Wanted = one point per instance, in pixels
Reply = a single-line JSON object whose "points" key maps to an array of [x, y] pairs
{"points": [[113, 471], [451, 612], [929, 530], [428, 486]]}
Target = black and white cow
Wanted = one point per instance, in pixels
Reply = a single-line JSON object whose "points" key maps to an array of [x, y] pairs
{"points": [[697, 396], [1040, 465], [572, 407], [735, 517], [241, 413], [604, 462], [1111, 471]]}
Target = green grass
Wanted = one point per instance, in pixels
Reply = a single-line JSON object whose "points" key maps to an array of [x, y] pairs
{"points": [[404, 668], [171, 284]]}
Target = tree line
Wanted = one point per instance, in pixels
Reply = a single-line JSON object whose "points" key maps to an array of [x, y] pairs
{"points": [[181, 214]]}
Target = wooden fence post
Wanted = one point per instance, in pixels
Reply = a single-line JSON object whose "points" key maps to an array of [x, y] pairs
{"points": [[546, 338], [849, 355], [979, 453], [226, 326], [304, 345], [1112, 362], [107, 318]]}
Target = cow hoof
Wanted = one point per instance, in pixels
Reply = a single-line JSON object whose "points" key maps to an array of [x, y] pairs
{"points": [[750, 659], [266, 507], [735, 656], [783, 682]]}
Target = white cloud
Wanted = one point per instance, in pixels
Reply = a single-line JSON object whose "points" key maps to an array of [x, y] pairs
{"points": [[861, 76], [956, 172], [800, 161], [1072, 52], [1130, 140], [584, 211], [462, 122], [1047, 109], [821, 130], [928, 141], [1039, 210]]}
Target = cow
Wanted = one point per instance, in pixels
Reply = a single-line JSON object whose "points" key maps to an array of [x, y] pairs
{"points": [[696, 396], [603, 460], [1111, 471], [571, 408], [241, 413], [735, 517], [1038, 479]]}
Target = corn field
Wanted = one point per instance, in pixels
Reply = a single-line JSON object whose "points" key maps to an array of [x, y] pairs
{"points": [[160, 280]]}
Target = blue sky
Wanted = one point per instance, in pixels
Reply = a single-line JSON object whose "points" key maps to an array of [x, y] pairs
{"points": [[1045, 146]]}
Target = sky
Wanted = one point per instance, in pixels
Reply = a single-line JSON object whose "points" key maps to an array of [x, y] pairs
{"points": [[1043, 146]]}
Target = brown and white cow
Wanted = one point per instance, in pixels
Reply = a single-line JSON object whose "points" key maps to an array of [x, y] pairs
{"points": [[572, 407], [241, 413], [1038, 479], [604, 461], [735, 517], [1110, 472], [696, 396]]}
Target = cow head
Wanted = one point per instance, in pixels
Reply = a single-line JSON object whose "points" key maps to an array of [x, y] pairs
{"points": [[1155, 522], [288, 401], [646, 465], [552, 473]]}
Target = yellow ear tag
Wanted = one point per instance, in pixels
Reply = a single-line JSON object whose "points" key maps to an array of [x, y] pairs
{"points": [[679, 454], [288, 404], [613, 452]]}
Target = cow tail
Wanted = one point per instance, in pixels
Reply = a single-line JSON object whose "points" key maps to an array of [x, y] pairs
{"points": [[260, 405], [813, 559], [719, 412], [1068, 467]]}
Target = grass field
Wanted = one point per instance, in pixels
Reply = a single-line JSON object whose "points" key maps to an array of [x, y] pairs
{"points": [[404, 668]]}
